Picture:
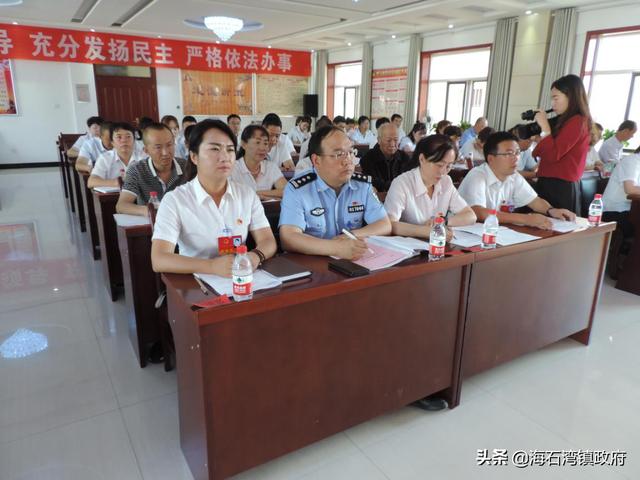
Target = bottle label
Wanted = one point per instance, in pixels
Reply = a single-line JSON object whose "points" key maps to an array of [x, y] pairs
{"points": [[242, 285], [595, 219], [488, 239], [436, 247]]}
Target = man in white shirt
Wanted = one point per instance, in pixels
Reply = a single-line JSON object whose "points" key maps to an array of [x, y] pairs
{"points": [[300, 132], [496, 185], [472, 132], [234, 122], [396, 119], [281, 146], [527, 165], [625, 180], [111, 166], [362, 135], [611, 148], [93, 131], [181, 146], [93, 148]]}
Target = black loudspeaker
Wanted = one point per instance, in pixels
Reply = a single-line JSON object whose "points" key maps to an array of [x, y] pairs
{"points": [[310, 105]]}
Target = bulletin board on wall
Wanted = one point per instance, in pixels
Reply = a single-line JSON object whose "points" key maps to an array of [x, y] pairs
{"points": [[216, 93], [282, 94], [7, 91], [388, 91]]}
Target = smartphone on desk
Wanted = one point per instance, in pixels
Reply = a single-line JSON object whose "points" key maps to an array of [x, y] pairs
{"points": [[348, 268]]}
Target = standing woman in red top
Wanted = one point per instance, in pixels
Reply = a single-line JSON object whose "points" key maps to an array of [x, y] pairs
{"points": [[564, 147]]}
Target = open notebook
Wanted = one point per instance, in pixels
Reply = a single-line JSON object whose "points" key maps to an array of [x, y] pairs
{"points": [[389, 251]]}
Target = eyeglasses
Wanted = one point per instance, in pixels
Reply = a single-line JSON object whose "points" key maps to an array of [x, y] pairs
{"points": [[508, 154], [341, 154]]}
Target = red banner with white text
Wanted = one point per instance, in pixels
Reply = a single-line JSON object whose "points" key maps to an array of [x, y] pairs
{"points": [[58, 45]]}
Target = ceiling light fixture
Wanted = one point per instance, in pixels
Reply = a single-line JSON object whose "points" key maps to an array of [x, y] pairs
{"points": [[93, 29], [528, 12], [10, 3], [15, 23], [224, 27], [393, 36], [349, 43], [268, 46], [451, 25]]}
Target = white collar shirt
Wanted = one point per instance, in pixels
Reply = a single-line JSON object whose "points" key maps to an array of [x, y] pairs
{"points": [[359, 139], [109, 164], [80, 141], [297, 136], [280, 152], [526, 161], [482, 188], [91, 149], [611, 150], [615, 198], [269, 174], [408, 200], [304, 148], [303, 165], [470, 147], [190, 218]]}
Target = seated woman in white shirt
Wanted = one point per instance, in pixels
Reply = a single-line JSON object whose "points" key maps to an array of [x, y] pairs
{"points": [[419, 195], [253, 169], [475, 147], [111, 166], [417, 133], [624, 181], [300, 132], [210, 211]]}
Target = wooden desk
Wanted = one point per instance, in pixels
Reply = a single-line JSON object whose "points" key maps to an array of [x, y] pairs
{"points": [[78, 194], [140, 290], [527, 296], [105, 207], [90, 214], [296, 364], [66, 142], [629, 277]]}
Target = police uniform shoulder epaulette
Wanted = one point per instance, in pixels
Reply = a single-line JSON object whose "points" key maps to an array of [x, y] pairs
{"points": [[361, 178], [303, 180]]}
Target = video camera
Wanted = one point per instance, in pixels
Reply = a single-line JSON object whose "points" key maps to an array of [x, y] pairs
{"points": [[529, 130]]}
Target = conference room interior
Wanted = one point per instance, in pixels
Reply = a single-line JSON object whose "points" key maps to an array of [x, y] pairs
{"points": [[517, 361]]}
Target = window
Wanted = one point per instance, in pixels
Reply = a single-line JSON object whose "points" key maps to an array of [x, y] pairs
{"points": [[454, 84], [611, 77], [343, 89]]}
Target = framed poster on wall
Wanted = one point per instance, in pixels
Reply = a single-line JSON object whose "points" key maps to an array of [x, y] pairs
{"points": [[7, 92], [281, 93], [216, 93], [388, 92]]}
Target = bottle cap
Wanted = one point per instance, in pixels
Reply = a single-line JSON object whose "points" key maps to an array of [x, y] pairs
{"points": [[492, 212], [153, 194], [242, 249], [439, 220], [598, 195]]}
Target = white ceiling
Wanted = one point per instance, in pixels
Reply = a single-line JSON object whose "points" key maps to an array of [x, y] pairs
{"points": [[295, 24]]}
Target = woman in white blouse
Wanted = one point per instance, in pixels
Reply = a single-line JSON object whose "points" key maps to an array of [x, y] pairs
{"points": [[211, 212], [417, 133], [419, 195], [253, 169]]}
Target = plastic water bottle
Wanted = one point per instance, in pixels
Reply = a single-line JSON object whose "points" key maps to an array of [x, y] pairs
{"points": [[490, 231], [437, 240], [242, 274], [469, 160], [153, 199], [595, 211]]}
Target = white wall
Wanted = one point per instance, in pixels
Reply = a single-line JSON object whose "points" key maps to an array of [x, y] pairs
{"points": [[342, 55], [45, 108], [600, 19], [391, 54], [455, 38]]}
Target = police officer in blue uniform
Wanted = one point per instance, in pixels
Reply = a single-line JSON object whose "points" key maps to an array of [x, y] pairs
{"points": [[318, 204]]}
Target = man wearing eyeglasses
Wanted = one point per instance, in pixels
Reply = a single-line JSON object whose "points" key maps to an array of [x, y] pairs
{"points": [[496, 185], [384, 162], [318, 204]]}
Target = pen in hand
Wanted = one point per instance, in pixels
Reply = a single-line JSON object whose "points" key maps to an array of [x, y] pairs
{"points": [[353, 237]]}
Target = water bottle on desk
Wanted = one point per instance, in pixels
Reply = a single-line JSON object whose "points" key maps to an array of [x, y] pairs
{"points": [[469, 160], [437, 239], [242, 275], [490, 231], [153, 206], [595, 211]]}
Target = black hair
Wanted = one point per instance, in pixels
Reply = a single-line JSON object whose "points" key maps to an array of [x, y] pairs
{"points": [[249, 130], [233, 115], [453, 131], [362, 118], [169, 118], [271, 119], [627, 125], [93, 121], [572, 86], [298, 120], [491, 145], [340, 119], [187, 132], [396, 115], [105, 126], [350, 121], [323, 121], [485, 133], [433, 148], [144, 122], [442, 124], [199, 129], [121, 126], [418, 126], [155, 127], [189, 118], [381, 121], [307, 119], [315, 143]]}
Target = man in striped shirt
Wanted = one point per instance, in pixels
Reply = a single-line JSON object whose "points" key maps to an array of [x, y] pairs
{"points": [[160, 173]]}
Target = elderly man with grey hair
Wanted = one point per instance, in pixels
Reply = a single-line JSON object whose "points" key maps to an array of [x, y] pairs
{"points": [[384, 162]]}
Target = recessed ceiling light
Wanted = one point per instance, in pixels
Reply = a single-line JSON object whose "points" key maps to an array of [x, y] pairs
{"points": [[349, 43], [451, 25], [268, 46], [10, 3], [93, 29], [15, 23], [393, 36], [217, 41], [312, 50], [159, 36], [528, 12]]}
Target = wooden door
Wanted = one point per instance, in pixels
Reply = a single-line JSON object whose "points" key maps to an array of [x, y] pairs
{"points": [[127, 98]]}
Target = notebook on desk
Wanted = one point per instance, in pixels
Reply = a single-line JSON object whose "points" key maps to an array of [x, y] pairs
{"points": [[284, 269]]}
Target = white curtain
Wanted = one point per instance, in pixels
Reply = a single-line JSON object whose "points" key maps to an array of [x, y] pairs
{"points": [[411, 100], [559, 59], [500, 72], [365, 84], [320, 70]]}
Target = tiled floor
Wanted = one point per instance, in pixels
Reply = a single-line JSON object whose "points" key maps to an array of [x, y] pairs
{"points": [[83, 410]]}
